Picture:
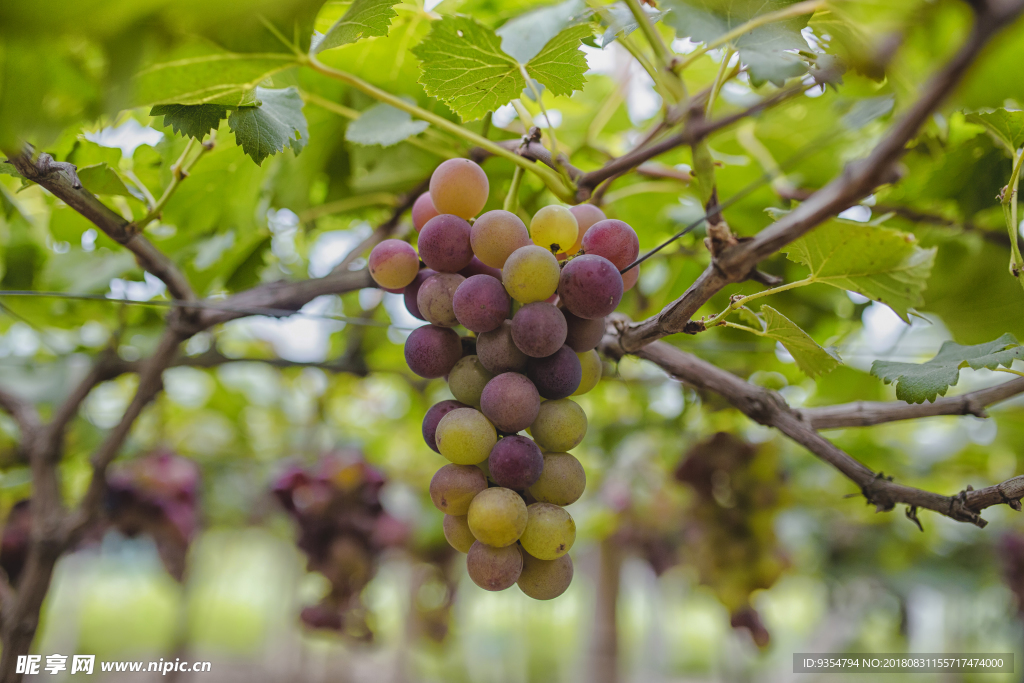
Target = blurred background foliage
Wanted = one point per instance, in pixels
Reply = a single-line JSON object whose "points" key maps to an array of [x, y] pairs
{"points": [[743, 529]]}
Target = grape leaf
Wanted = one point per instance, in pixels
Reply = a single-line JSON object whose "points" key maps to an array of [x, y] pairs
{"points": [[278, 122], [102, 179], [193, 121], [383, 125], [920, 382], [523, 37], [363, 19], [810, 357], [621, 22], [1006, 127], [560, 65], [867, 110], [880, 263]]}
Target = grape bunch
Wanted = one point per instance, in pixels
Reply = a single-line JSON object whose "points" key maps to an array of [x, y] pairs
{"points": [[533, 301]]}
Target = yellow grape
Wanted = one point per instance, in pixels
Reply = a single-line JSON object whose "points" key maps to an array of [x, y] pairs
{"points": [[550, 531], [591, 363], [554, 228], [497, 516], [530, 274], [465, 436]]}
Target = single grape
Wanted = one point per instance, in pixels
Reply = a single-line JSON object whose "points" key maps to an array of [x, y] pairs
{"points": [[457, 533], [497, 516], [444, 244], [432, 351], [434, 300], [468, 379], [530, 274], [538, 329], [481, 303], [498, 352], [459, 187], [582, 334], [478, 267], [557, 375], [545, 579], [629, 278], [550, 531], [422, 211], [590, 365], [586, 215], [465, 436], [560, 426], [515, 463], [562, 480], [494, 569], [454, 486], [496, 234], [511, 402], [413, 289], [554, 228], [614, 240], [590, 286], [433, 416], [393, 264]]}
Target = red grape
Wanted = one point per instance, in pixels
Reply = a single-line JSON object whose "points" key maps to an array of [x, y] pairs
{"points": [[481, 303], [556, 376], [444, 244], [590, 287], [515, 463], [413, 288], [614, 240], [432, 351], [511, 402], [539, 329]]}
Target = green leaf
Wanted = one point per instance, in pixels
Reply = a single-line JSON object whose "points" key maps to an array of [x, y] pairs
{"points": [[1005, 127], [920, 382], [621, 22], [865, 111], [811, 358], [364, 18], [383, 125], [882, 264], [7, 168], [561, 65], [102, 179], [192, 121], [267, 129], [523, 37]]}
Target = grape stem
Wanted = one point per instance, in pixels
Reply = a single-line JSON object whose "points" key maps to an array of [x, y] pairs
{"points": [[739, 302], [512, 198]]}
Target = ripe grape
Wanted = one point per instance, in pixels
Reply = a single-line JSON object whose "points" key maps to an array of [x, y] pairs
{"points": [[433, 416], [550, 531], [468, 379], [560, 426], [554, 228], [582, 334], [494, 569], [530, 274], [629, 278], [478, 267], [432, 351], [590, 364], [422, 211], [496, 235], [497, 516], [586, 215], [481, 303], [614, 240], [511, 402], [545, 579], [393, 264], [454, 486], [459, 187], [538, 329], [515, 463], [557, 375], [444, 244], [465, 436], [562, 480], [590, 286], [457, 533], [413, 289], [434, 300], [498, 352]]}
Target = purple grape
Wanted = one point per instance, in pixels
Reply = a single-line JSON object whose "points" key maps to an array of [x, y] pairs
{"points": [[481, 303], [515, 463], [478, 267], [444, 244], [434, 300], [539, 329], [433, 416], [583, 335], [413, 289], [590, 286], [556, 376], [498, 353], [432, 351], [614, 240], [510, 402]]}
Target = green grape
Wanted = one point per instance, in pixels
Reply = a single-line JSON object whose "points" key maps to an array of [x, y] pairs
{"points": [[530, 274], [456, 531], [591, 363], [496, 235], [465, 436], [550, 531], [554, 228], [560, 426], [497, 516], [454, 486], [468, 379], [562, 480], [545, 579], [494, 569]]}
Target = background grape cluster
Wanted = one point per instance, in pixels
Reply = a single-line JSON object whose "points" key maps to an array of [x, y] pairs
{"points": [[533, 301]]}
